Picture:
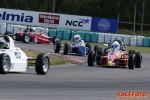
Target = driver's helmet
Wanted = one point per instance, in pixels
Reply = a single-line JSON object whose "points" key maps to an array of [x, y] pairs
{"points": [[32, 29], [115, 45], [3, 43], [77, 38]]}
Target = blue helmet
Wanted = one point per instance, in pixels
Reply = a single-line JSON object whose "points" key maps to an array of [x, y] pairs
{"points": [[115, 45]]}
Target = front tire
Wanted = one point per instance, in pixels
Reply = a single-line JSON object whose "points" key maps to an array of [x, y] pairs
{"points": [[25, 38], [138, 58], [91, 58], [131, 61], [42, 64], [66, 48], [5, 63]]}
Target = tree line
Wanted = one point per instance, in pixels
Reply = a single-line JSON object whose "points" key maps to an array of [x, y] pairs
{"points": [[95, 8]]}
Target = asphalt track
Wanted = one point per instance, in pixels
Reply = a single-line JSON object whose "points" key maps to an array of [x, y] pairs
{"points": [[75, 82]]}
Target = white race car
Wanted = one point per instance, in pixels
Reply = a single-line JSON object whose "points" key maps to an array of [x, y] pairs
{"points": [[13, 59]]}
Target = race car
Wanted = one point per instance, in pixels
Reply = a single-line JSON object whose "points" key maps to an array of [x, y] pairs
{"points": [[30, 35], [76, 46], [13, 59], [115, 57]]}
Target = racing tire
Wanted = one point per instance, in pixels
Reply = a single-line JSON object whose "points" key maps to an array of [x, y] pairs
{"points": [[88, 45], [66, 48], [138, 58], [25, 38], [99, 54], [95, 48], [57, 47], [91, 58], [42, 64], [5, 63], [131, 61], [132, 52], [55, 38]]}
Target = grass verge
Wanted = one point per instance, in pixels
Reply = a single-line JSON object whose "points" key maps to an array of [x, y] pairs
{"points": [[54, 60], [137, 48]]}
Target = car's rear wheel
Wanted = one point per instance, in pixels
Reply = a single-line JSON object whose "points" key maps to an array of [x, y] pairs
{"points": [[131, 52], [56, 38], [42, 64], [88, 45], [57, 47], [131, 61], [95, 48], [66, 48], [25, 38], [138, 58], [5, 63], [91, 58]]}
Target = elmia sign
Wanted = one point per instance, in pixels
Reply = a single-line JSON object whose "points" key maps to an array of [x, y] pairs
{"points": [[49, 19]]}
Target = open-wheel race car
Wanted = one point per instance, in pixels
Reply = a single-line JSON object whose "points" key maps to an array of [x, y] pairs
{"points": [[13, 59], [115, 56], [30, 35], [76, 46]]}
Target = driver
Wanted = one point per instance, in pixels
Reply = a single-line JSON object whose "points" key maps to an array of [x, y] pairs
{"points": [[77, 41], [115, 45], [3, 43], [32, 29]]}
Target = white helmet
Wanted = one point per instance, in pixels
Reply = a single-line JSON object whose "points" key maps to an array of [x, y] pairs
{"points": [[77, 38], [32, 29], [115, 45]]}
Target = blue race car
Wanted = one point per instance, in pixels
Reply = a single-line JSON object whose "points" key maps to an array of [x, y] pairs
{"points": [[76, 46]]}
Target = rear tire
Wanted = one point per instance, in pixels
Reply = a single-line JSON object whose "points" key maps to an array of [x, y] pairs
{"points": [[25, 38], [88, 45], [91, 58], [66, 48], [57, 47], [138, 58], [42, 64], [55, 38], [5, 63], [131, 61], [95, 48]]}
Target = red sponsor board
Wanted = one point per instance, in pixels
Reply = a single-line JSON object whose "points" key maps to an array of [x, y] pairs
{"points": [[49, 19]]}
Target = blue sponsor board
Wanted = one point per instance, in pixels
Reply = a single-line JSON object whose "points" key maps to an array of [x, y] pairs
{"points": [[104, 25]]}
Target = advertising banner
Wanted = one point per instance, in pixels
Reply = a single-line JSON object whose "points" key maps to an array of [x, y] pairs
{"points": [[104, 25], [75, 22]]}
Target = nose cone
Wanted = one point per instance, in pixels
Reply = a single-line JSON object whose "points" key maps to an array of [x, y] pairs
{"points": [[109, 63]]}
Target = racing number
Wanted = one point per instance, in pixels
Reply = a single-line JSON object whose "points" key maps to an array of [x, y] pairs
{"points": [[17, 54]]}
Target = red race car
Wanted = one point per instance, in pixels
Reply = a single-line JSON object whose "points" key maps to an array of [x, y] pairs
{"points": [[30, 35], [115, 58]]}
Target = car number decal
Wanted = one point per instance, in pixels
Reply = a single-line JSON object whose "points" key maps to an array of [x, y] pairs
{"points": [[17, 54]]}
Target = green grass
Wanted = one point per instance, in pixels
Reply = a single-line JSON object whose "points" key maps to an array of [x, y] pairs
{"points": [[54, 60], [137, 48]]}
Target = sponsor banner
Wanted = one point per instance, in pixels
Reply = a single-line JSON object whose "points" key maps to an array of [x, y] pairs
{"points": [[104, 25], [45, 19], [75, 22], [29, 17]]}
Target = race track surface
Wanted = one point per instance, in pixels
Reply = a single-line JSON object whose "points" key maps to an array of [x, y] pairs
{"points": [[75, 82]]}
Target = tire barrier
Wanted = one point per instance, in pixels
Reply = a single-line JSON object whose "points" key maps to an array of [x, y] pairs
{"points": [[87, 36]]}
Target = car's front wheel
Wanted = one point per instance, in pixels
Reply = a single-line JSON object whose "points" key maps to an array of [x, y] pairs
{"points": [[5, 63]]}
